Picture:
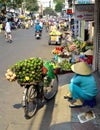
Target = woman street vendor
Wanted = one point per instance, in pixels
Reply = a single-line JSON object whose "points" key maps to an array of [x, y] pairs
{"points": [[82, 85]]}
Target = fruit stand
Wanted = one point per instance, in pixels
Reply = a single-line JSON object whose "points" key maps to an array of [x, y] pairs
{"points": [[70, 53], [62, 60], [55, 37]]}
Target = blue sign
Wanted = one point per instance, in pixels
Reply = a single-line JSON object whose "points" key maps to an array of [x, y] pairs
{"points": [[84, 1]]}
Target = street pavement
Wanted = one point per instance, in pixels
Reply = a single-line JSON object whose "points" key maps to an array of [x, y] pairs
{"points": [[55, 114], [60, 116]]}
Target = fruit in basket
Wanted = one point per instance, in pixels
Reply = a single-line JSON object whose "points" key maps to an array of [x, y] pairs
{"points": [[57, 50], [10, 75], [72, 47], [65, 65], [28, 70], [27, 78], [53, 32]]}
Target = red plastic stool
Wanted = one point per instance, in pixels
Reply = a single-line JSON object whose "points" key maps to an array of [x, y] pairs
{"points": [[91, 103]]}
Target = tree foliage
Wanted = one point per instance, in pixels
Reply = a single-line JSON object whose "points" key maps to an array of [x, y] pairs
{"points": [[29, 4], [49, 11], [59, 6], [32, 5], [59, 1]]}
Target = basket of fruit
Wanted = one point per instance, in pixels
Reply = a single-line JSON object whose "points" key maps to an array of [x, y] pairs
{"points": [[66, 66], [26, 72]]}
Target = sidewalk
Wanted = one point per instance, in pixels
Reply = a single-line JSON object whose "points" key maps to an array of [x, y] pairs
{"points": [[74, 123], [67, 119]]}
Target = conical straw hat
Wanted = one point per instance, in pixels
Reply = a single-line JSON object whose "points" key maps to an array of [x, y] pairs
{"points": [[89, 52], [81, 68]]}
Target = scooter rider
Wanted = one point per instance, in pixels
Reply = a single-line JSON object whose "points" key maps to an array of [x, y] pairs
{"points": [[37, 28]]}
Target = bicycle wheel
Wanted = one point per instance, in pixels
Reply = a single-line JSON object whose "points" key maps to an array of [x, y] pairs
{"points": [[51, 90], [30, 102]]}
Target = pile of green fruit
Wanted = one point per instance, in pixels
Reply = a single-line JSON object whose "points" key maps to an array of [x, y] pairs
{"points": [[77, 42], [55, 65], [28, 70], [65, 65]]}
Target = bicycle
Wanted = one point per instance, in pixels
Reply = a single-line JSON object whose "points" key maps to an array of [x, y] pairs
{"points": [[39, 80], [36, 93]]}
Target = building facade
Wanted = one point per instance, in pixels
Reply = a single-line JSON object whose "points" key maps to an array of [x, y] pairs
{"points": [[96, 62], [96, 33]]}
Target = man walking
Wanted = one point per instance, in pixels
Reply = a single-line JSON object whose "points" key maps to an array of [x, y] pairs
{"points": [[8, 31]]}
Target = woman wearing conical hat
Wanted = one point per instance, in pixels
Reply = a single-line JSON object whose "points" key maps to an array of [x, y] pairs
{"points": [[89, 56], [82, 86]]}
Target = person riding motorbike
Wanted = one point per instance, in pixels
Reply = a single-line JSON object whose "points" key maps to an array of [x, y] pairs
{"points": [[37, 28]]}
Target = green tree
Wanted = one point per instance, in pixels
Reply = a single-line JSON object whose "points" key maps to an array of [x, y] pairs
{"points": [[59, 6], [31, 5], [49, 11], [59, 0], [12, 4]]}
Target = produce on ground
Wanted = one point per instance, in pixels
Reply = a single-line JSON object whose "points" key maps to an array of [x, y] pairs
{"points": [[57, 50], [65, 65]]}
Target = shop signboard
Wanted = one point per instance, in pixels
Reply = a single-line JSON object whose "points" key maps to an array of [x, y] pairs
{"points": [[69, 11], [84, 12], [83, 1]]}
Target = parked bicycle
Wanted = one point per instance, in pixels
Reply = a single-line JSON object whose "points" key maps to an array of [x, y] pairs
{"points": [[38, 79], [36, 93]]}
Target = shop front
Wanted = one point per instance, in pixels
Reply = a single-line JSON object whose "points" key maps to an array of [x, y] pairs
{"points": [[96, 61]]}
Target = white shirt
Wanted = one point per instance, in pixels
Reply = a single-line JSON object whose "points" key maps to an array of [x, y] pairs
{"points": [[7, 27], [41, 24]]}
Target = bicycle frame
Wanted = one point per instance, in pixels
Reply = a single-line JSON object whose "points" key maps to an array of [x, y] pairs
{"points": [[34, 95]]}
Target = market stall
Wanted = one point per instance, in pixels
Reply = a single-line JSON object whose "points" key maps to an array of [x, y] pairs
{"points": [[55, 37], [72, 52]]}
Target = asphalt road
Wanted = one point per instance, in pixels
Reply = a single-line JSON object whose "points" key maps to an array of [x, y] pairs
{"points": [[24, 46]]}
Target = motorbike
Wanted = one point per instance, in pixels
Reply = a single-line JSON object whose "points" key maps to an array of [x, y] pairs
{"points": [[38, 34]]}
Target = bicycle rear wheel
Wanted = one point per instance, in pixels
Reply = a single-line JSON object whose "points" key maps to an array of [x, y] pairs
{"points": [[51, 90], [30, 102]]}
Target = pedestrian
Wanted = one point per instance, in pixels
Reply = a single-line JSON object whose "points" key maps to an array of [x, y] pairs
{"points": [[8, 31], [65, 25], [82, 85], [47, 26], [1, 26], [89, 56], [41, 24]]}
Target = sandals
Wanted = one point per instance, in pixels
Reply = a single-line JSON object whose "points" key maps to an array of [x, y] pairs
{"points": [[77, 103], [67, 97]]}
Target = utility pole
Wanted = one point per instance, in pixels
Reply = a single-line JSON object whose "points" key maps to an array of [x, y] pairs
{"points": [[50, 3], [23, 7]]}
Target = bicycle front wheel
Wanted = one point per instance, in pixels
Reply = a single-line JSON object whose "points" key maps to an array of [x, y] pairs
{"points": [[30, 102], [52, 88]]}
